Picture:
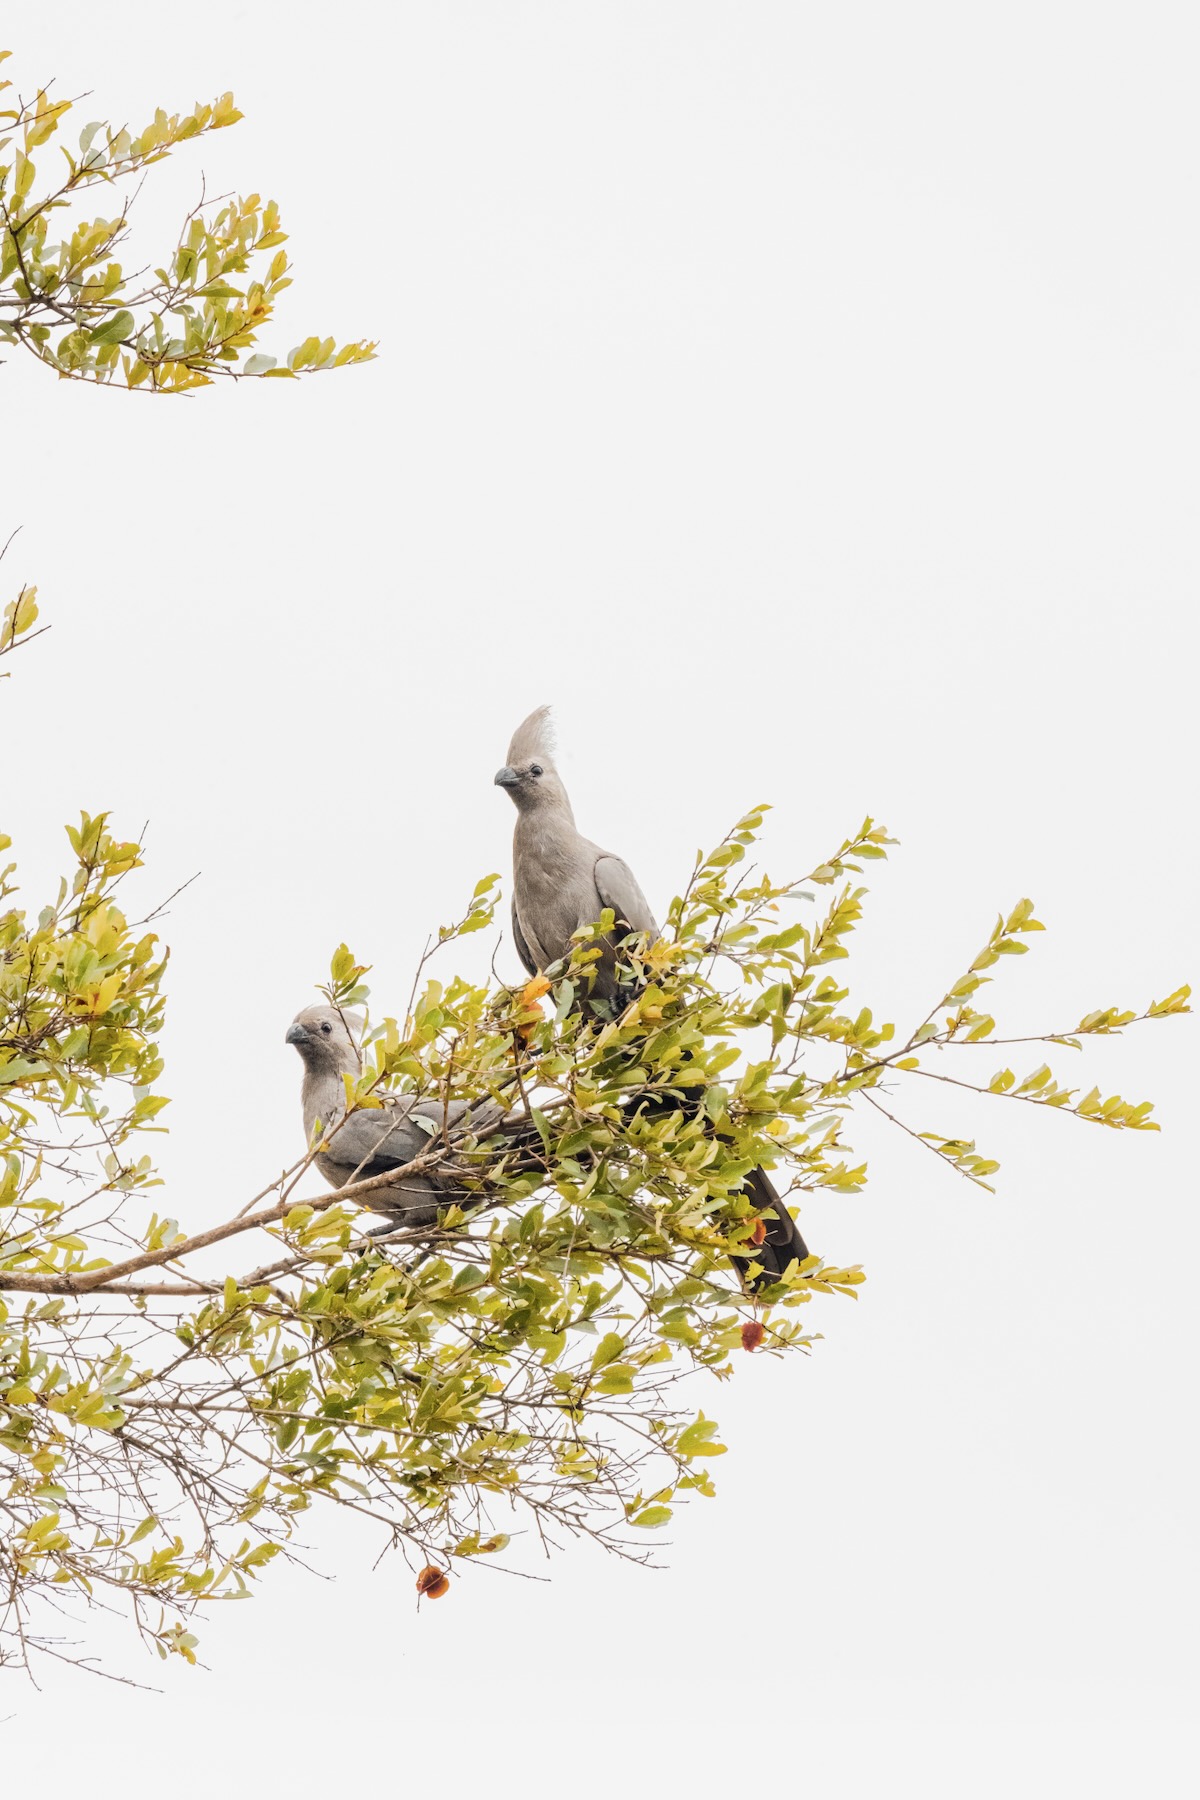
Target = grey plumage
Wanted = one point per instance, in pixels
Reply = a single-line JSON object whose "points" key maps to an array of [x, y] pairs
{"points": [[562, 882], [372, 1140]]}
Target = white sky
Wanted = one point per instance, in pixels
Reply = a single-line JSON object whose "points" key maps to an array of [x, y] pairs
{"points": [[804, 399]]}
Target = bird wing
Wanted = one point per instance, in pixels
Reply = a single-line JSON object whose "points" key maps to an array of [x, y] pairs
{"points": [[523, 951], [617, 887], [386, 1137], [375, 1139]]}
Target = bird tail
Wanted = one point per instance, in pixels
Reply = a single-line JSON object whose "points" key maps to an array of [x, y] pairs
{"points": [[783, 1244]]}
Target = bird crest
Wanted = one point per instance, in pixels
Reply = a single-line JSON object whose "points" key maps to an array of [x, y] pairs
{"points": [[534, 737]]}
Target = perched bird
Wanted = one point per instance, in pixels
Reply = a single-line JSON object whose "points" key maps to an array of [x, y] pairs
{"points": [[372, 1140], [562, 882]]}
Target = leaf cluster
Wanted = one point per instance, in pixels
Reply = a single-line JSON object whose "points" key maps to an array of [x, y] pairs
{"points": [[67, 298], [515, 1367], [168, 1413]]}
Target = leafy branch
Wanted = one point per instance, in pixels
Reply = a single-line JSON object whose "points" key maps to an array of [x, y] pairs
{"points": [[66, 299], [514, 1367]]}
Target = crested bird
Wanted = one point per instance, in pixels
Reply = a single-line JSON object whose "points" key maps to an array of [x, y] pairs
{"points": [[562, 882]]}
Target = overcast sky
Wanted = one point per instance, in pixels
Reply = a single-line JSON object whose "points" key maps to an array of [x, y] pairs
{"points": [[804, 399]]}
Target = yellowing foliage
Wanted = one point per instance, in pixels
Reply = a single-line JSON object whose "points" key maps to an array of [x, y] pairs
{"points": [[66, 298]]}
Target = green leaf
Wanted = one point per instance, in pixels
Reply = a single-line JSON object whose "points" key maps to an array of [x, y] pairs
{"points": [[651, 1517], [617, 1379], [699, 1439], [607, 1350], [115, 330]]}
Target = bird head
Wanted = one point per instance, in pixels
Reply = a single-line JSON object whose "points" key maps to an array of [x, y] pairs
{"points": [[529, 776], [324, 1036]]}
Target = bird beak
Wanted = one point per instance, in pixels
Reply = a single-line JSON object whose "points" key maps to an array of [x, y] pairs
{"points": [[296, 1034], [507, 778]]}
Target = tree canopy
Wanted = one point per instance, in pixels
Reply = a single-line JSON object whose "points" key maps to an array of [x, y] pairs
{"points": [[167, 1410], [173, 1398]]}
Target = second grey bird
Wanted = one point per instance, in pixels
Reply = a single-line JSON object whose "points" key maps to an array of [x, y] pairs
{"points": [[563, 882], [373, 1140]]}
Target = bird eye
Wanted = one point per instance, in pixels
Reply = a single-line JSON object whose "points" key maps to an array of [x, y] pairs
{"points": [[535, 768], [326, 1027]]}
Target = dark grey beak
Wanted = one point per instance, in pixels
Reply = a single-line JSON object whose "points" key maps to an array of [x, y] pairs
{"points": [[507, 778], [296, 1034]]}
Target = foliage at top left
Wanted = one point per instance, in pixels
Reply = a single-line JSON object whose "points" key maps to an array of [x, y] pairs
{"points": [[66, 298]]}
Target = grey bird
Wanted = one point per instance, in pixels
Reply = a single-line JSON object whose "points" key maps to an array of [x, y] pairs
{"points": [[372, 1140], [562, 882]]}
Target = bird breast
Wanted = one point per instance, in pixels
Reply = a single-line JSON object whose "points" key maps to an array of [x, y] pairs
{"points": [[555, 894]]}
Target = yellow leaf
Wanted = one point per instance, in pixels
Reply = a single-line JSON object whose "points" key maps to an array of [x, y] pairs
{"points": [[25, 611], [105, 994]]}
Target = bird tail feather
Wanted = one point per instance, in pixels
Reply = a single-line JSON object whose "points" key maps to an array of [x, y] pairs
{"points": [[783, 1244]]}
